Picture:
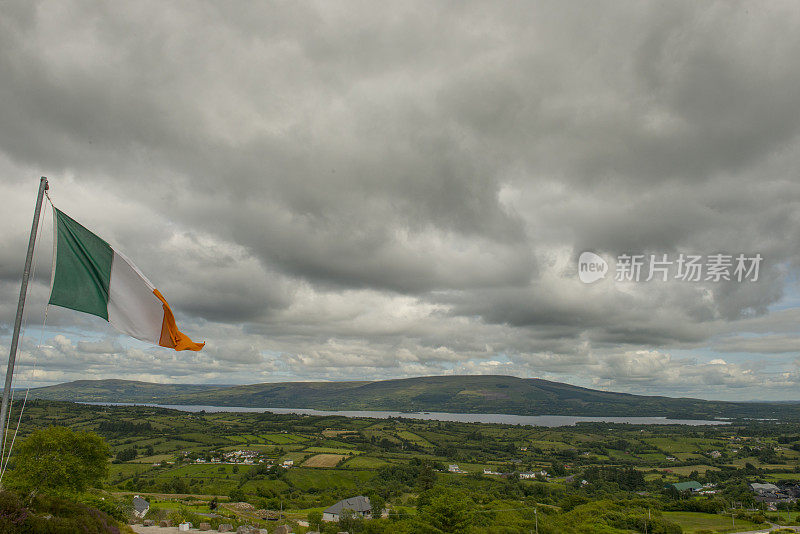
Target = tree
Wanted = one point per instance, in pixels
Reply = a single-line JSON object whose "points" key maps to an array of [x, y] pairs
{"points": [[450, 510], [237, 495], [558, 469], [426, 478], [57, 460], [315, 519], [126, 455], [349, 522], [377, 504]]}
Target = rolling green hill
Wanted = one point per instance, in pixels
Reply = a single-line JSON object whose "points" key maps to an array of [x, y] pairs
{"points": [[115, 391], [465, 394]]}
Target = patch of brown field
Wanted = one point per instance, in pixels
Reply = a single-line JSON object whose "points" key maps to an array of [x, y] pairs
{"points": [[333, 433], [324, 460]]}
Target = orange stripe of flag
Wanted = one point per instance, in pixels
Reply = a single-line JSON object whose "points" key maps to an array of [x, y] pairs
{"points": [[171, 337]]}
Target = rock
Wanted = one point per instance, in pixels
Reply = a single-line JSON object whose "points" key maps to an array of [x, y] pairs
{"points": [[245, 529], [148, 523], [204, 526], [165, 523], [283, 529], [225, 527]]}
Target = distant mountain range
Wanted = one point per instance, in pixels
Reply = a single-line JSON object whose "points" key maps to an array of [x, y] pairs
{"points": [[459, 394]]}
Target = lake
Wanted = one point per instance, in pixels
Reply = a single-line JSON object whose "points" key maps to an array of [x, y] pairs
{"points": [[497, 418]]}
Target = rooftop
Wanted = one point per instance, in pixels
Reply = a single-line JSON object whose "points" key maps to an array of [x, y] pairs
{"points": [[356, 504]]}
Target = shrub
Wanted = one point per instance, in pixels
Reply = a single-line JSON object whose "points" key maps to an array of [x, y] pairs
{"points": [[50, 515], [184, 515]]}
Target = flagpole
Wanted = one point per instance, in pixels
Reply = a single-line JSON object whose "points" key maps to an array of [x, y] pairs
{"points": [[12, 356]]}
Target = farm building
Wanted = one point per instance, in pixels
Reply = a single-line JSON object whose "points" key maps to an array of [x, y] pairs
{"points": [[359, 505], [692, 485], [763, 488], [771, 494]]}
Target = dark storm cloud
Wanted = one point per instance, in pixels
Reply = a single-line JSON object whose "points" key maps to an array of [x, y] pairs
{"points": [[346, 190]]}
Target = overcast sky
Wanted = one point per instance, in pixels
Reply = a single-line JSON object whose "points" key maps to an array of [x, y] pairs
{"points": [[367, 190]]}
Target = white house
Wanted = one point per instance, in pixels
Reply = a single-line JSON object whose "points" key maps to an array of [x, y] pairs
{"points": [[140, 506]]}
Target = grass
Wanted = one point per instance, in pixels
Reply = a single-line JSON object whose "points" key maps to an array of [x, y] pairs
{"points": [[414, 438], [334, 433], [673, 446], [323, 479], [284, 439], [783, 476], [156, 458], [693, 522], [365, 462], [686, 470], [328, 450]]}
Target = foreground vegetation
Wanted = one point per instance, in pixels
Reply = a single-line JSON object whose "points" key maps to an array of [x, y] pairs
{"points": [[590, 478]]}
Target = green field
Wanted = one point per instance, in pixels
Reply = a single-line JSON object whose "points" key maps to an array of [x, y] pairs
{"points": [[413, 438], [283, 439], [328, 450], [365, 462], [693, 522], [600, 473]]}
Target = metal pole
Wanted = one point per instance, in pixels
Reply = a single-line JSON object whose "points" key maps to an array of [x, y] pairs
{"points": [[12, 356]]}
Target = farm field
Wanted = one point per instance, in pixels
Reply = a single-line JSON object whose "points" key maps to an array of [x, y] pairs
{"points": [[185, 461], [697, 523], [324, 460]]}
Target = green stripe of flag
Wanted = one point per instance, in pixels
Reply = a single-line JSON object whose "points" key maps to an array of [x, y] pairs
{"points": [[83, 268]]}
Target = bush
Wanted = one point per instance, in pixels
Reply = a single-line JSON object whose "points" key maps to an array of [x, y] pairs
{"points": [[571, 501], [50, 515], [156, 514], [623, 515], [120, 510], [706, 506], [184, 515], [237, 495]]}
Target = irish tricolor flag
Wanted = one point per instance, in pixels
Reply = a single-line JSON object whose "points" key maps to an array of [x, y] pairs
{"points": [[90, 276]]}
